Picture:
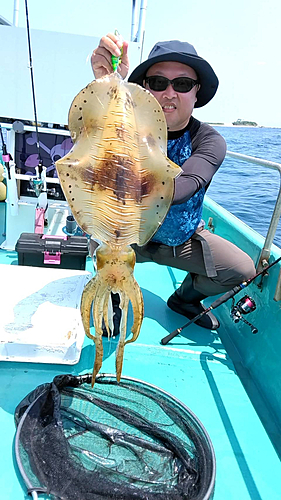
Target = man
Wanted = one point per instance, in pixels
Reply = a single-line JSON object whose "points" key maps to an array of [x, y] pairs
{"points": [[180, 80]]}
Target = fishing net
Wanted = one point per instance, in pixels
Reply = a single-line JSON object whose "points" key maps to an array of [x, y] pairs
{"points": [[117, 441]]}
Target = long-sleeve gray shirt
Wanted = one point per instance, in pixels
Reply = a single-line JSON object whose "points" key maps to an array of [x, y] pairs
{"points": [[208, 152]]}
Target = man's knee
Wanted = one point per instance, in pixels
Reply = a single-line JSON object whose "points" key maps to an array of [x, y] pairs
{"points": [[226, 278], [141, 254], [236, 274], [245, 269]]}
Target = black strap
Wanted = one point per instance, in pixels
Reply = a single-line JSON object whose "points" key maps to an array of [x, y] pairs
{"points": [[207, 256]]}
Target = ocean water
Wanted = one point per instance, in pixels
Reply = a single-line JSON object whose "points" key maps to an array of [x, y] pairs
{"points": [[249, 191]]}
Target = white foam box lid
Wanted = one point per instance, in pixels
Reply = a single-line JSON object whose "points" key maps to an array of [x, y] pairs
{"points": [[40, 318]]}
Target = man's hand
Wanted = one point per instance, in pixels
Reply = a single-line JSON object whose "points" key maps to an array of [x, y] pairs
{"points": [[101, 58]]}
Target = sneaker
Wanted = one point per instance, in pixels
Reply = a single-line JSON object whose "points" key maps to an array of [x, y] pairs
{"points": [[192, 310]]}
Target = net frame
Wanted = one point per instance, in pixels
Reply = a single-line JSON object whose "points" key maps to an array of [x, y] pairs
{"points": [[209, 462]]}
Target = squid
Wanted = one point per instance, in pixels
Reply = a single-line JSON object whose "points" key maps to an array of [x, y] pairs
{"points": [[119, 185]]}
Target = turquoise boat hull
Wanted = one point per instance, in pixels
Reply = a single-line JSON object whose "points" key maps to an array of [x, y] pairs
{"points": [[230, 379]]}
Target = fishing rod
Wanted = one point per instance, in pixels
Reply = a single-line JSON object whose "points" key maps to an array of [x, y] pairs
{"points": [[39, 183], [40, 165], [248, 306], [6, 156]]}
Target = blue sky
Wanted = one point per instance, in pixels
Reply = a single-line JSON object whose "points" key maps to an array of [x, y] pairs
{"points": [[240, 39]]}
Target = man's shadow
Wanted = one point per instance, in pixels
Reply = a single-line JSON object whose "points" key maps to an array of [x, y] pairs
{"points": [[156, 309]]}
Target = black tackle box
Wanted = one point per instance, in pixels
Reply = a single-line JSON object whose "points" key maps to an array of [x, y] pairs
{"points": [[41, 250]]}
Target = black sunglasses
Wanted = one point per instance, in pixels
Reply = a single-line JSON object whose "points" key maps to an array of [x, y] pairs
{"points": [[180, 84]]}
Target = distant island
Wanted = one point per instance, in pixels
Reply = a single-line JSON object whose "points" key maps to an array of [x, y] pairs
{"points": [[237, 123], [245, 123]]}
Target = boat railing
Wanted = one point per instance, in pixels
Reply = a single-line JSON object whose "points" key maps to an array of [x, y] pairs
{"points": [[266, 250], [265, 253]]}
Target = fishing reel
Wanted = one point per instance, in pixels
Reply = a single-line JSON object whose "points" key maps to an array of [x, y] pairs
{"points": [[245, 305]]}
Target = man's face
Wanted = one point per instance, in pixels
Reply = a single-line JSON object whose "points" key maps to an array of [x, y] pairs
{"points": [[177, 106]]}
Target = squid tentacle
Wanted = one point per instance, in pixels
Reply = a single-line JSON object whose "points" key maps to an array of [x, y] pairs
{"points": [[94, 293], [90, 291], [123, 328], [98, 309], [135, 295], [105, 311], [98, 357], [99, 301]]}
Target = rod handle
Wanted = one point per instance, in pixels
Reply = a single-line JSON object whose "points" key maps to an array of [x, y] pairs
{"points": [[169, 337], [226, 296]]}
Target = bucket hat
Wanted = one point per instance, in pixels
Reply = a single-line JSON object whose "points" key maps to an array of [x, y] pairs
{"points": [[183, 52]]}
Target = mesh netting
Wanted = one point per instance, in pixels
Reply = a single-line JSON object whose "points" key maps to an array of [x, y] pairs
{"points": [[116, 441]]}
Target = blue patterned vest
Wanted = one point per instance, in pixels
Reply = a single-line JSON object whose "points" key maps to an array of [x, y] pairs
{"points": [[182, 220]]}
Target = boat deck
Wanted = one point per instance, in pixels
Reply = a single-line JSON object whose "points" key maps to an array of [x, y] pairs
{"points": [[194, 367]]}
